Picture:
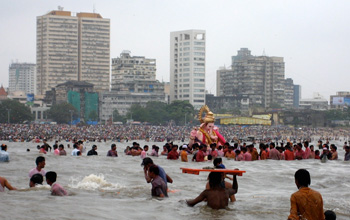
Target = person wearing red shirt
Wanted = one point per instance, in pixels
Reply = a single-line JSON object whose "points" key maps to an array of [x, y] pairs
{"points": [[200, 153], [288, 153], [173, 154]]}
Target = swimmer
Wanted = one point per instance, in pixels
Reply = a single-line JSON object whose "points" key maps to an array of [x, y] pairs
{"points": [[5, 184], [62, 150], [147, 163], [36, 179], [113, 151], [4, 155], [40, 164], [159, 188], [217, 197], [56, 189], [219, 165]]}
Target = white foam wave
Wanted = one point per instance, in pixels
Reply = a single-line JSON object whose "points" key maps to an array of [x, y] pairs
{"points": [[95, 182]]}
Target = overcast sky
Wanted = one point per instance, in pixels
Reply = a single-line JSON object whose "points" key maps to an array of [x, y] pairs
{"points": [[312, 36]]}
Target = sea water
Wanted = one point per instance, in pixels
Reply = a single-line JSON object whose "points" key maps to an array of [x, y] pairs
{"points": [[103, 187]]}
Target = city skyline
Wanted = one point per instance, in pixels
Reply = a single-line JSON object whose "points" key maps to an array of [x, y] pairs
{"points": [[311, 36]]}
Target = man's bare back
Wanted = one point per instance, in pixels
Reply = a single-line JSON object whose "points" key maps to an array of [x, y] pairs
{"points": [[217, 197]]}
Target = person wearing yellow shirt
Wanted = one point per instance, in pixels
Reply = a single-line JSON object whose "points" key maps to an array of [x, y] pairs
{"points": [[306, 203]]}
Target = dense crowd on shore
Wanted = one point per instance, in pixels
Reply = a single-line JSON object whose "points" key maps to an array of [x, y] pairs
{"points": [[36, 132]]}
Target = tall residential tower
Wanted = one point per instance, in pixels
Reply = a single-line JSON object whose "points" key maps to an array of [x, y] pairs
{"points": [[187, 66], [22, 77], [258, 78], [72, 48]]}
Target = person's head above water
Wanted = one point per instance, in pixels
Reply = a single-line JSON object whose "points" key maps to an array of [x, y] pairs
{"points": [[36, 179], [302, 178], [215, 179]]}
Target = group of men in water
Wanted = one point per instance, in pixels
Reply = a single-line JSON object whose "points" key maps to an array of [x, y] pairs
{"points": [[207, 143]]}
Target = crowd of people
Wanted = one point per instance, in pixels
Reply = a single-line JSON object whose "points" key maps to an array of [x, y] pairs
{"points": [[97, 133], [204, 143]]}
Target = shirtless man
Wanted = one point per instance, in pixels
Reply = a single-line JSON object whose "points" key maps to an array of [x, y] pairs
{"points": [[217, 197]]}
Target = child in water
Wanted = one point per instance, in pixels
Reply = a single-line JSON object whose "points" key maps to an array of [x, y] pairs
{"points": [[216, 196]]}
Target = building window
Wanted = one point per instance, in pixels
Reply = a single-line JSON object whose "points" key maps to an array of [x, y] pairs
{"points": [[198, 80], [199, 48], [199, 43], [199, 54], [198, 96], [196, 70], [198, 90], [199, 74]]}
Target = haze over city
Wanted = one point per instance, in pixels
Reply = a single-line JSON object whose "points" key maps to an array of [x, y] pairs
{"points": [[313, 36]]}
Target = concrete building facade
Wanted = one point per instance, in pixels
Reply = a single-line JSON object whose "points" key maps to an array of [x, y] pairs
{"points": [[297, 96], [318, 102], [22, 77], [289, 93], [187, 66], [72, 48], [260, 78], [340, 100], [133, 82]]}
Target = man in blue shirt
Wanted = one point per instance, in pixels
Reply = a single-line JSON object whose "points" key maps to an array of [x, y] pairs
{"points": [[4, 156], [147, 163]]}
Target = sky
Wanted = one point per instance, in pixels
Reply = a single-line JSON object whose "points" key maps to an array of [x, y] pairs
{"points": [[313, 36]]}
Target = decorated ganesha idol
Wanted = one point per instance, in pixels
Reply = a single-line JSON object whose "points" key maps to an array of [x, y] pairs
{"points": [[207, 132]]}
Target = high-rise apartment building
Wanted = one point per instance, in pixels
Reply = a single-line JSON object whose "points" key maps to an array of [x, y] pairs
{"points": [[132, 73], [72, 48], [22, 77], [297, 96], [289, 93], [133, 82], [187, 66], [258, 78]]}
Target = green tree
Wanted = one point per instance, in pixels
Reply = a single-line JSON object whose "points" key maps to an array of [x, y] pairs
{"points": [[156, 112], [118, 117], [61, 113], [17, 111], [137, 113], [179, 111]]}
